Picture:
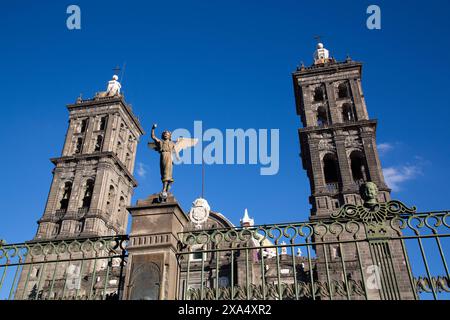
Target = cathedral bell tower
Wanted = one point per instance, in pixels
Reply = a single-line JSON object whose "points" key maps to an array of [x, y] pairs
{"points": [[93, 178], [338, 145]]}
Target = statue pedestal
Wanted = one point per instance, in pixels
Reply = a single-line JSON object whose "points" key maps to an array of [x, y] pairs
{"points": [[152, 264]]}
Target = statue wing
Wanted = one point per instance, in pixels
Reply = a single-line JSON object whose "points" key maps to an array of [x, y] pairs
{"points": [[153, 146], [184, 143]]}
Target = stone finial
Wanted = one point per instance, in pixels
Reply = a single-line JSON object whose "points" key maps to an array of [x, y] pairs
{"points": [[302, 66], [246, 221]]}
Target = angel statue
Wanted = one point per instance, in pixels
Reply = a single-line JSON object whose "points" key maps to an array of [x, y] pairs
{"points": [[166, 147]]}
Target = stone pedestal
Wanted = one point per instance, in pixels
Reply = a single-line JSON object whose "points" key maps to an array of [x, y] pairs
{"points": [[152, 269]]}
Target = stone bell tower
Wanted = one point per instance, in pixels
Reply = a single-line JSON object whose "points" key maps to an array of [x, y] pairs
{"points": [[93, 178], [339, 154], [338, 146]]}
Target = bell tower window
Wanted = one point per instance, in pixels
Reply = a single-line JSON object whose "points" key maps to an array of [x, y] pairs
{"points": [[83, 126], [79, 145], [343, 90], [331, 171], [87, 197], [109, 203], [98, 143], [119, 149], [322, 117], [358, 167], [348, 114], [64, 202], [122, 212], [102, 124], [319, 94]]}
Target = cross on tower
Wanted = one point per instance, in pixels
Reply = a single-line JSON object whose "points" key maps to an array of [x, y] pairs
{"points": [[116, 70], [318, 38]]}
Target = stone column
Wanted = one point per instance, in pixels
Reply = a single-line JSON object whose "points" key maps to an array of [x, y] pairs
{"points": [[152, 268], [310, 116], [318, 180], [107, 146], [361, 112], [332, 108], [373, 161], [77, 190], [88, 135], [101, 186], [344, 167], [69, 137], [133, 156], [53, 194]]}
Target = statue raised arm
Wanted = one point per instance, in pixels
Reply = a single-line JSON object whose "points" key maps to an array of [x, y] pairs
{"points": [[153, 133]]}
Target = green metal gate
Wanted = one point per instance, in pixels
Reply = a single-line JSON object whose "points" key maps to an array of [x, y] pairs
{"points": [[87, 268]]}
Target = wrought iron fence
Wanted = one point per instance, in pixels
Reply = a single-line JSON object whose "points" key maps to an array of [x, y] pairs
{"points": [[387, 253], [88, 268]]}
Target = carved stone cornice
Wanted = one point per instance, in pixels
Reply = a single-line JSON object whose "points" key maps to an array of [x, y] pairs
{"points": [[97, 156], [328, 68], [339, 126], [88, 103]]}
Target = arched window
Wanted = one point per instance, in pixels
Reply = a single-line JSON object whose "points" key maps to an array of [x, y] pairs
{"points": [[102, 124], [358, 165], [98, 143], [121, 212], [130, 142], [331, 171], [110, 200], [348, 114], [87, 197], [83, 126], [319, 94], [343, 90], [322, 117], [119, 148], [79, 145], [65, 197]]}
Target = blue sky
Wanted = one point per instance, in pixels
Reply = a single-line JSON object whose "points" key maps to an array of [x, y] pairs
{"points": [[229, 64]]}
